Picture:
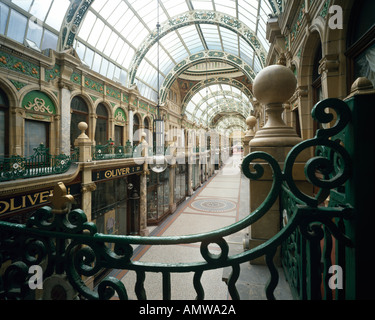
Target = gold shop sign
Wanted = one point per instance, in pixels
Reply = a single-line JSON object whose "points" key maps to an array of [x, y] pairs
{"points": [[33, 200], [115, 173]]}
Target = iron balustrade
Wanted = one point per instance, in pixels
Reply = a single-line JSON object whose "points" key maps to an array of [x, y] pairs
{"points": [[65, 243], [41, 163]]}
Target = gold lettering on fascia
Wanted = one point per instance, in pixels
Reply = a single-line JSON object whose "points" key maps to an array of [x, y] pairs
{"points": [[117, 172], [25, 201]]}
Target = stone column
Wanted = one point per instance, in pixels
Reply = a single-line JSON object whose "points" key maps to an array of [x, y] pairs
{"points": [[65, 121], [85, 155], [273, 86], [130, 136]]}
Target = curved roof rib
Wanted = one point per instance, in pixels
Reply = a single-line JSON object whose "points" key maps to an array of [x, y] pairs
{"points": [[198, 17]]}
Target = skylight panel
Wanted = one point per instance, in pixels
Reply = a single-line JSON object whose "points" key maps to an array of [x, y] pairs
{"points": [[55, 16], [34, 33], [17, 26], [97, 62], [112, 42], [226, 6], [117, 49], [40, 8], [23, 4], [96, 32], [123, 22], [116, 15], [202, 4], [98, 5], [104, 36], [109, 9], [87, 25], [175, 8]]}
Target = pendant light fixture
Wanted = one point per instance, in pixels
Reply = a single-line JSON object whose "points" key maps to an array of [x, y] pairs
{"points": [[158, 162]]}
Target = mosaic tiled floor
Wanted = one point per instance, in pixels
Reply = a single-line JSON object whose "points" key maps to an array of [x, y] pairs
{"points": [[213, 205]]}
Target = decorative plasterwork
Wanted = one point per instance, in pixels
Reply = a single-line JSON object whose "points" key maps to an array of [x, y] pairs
{"points": [[215, 80], [71, 23], [197, 17], [205, 56]]}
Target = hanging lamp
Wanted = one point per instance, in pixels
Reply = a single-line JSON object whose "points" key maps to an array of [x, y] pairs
{"points": [[158, 162]]}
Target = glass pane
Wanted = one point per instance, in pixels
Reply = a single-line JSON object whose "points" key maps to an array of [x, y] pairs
{"points": [[101, 136], [24, 4], [364, 65], [4, 11], [40, 8], [35, 134], [34, 32], [57, 13], [49, 40], [119, 135], [17, 26]]}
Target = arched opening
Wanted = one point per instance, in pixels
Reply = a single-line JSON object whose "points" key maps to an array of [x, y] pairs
{"points": [[101, 130], [4, 125], [79, 113]]}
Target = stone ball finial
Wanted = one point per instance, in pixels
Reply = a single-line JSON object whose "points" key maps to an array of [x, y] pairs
{"points": [[275, 84], [251, 121], [82, 126]]}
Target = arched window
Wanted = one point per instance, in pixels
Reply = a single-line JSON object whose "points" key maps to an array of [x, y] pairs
{"points": [[147, 128], [136, 127], [80, 113], [361, 42], [4, 127], [101, 131]]}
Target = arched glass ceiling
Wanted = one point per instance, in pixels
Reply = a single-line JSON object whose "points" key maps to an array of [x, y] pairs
{"points": [[214, 99], [112, 30]]}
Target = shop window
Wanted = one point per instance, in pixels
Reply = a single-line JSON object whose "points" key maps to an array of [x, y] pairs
{"points": [[180, 186], [109, 206], [361, 42], [80, 113], [36, 133], [4, 125], [157, 196], [101, 130]]}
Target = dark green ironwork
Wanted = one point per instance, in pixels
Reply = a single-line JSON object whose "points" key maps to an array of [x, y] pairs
{"points": [[111, 151], [68, 244], [41, 163]]}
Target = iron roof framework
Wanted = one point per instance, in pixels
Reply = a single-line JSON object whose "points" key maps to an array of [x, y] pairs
{"points": [[116, 38]]}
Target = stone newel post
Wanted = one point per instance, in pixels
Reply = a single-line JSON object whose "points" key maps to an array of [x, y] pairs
{"points": [[251, 123], [272, 87], [84, 144]]}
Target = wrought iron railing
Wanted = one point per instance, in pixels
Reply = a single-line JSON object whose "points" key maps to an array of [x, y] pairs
{"points": [[41, 163], [319, 242], [66, 244], [111, 151]]}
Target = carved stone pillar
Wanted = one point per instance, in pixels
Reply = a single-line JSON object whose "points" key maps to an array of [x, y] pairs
{"points": [[272, 87]]}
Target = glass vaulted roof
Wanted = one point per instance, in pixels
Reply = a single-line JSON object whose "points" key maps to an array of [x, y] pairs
{"points": [[115, 33]]}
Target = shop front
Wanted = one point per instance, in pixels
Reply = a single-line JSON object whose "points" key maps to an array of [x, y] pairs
{"points": [[115, 202], [158, 190]]}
